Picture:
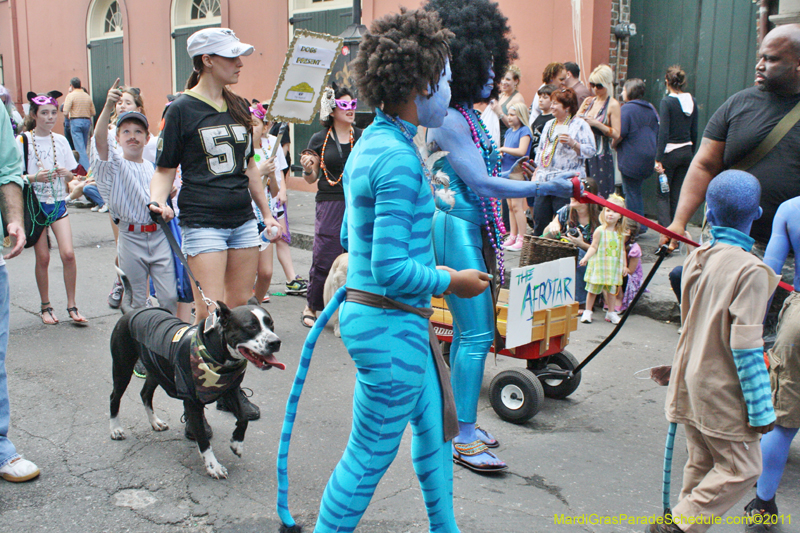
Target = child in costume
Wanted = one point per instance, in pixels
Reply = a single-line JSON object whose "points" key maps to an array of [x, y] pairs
{"points": [[467, 233], [403, 69], [718, 383], [784, 366], [633, 273], [606, 262], [49, 167]]}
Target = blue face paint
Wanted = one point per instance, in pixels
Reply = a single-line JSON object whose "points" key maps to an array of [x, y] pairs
{"points": [[486, 92], [432, 111]]}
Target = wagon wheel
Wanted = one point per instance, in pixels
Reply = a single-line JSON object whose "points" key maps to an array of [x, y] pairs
{"points": [[553, 387], [516, 395]]}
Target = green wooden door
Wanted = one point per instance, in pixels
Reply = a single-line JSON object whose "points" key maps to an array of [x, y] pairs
{"points": [[332, 22], [107, 65], [183, 63], [713, 40]]}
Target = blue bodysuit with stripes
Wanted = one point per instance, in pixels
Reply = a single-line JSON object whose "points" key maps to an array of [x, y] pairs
{"points": [[387, 233]]}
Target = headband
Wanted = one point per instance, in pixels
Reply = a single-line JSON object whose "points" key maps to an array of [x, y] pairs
{"points": [[259, 111]]}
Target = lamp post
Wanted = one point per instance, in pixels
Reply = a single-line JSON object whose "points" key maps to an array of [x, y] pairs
{"points": [[341, 73]]}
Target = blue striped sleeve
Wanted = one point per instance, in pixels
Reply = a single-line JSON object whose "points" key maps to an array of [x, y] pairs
{"points": [[754, 379], [396, 188]]}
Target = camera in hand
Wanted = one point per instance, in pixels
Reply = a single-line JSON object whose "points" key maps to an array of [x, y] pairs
{"points": [[573, 232]]}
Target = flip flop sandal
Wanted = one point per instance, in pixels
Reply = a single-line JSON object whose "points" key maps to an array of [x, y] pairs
{"points": [[71, 310], [49, 311], [470, 450], [304, 317], [491, 444]]}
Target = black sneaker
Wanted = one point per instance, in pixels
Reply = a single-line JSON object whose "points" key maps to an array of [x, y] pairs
{"points": [[139, 370], [757, 520], [187, 430], [251, 410], [298, 286], [115, 296]]}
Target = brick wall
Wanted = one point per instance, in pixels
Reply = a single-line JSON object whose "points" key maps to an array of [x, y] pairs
{"points": [[620, 13]]}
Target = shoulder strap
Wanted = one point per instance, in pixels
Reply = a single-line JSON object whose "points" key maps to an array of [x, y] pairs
{"points": [[25, 149], [778, 132]]}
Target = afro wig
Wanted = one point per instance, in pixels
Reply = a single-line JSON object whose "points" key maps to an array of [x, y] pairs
{"points": [[481, 41], [400, 53]]}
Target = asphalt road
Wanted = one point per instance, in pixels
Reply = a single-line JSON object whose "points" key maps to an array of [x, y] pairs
{"points": [[597, 453]]}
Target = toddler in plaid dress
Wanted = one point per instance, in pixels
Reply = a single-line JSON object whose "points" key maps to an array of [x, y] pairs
{"points": [[606, 262]]}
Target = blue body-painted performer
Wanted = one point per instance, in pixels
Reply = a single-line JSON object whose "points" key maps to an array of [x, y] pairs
{"points": [[403, 68], [784, 365], [467, 234]]}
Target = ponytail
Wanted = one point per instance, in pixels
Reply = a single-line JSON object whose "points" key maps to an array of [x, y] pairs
{"points": [[237, 106]]}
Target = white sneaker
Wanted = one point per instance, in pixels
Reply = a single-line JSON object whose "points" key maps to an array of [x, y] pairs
{"points": [[19, 470], [95, 209], [103, 209], [586, 317], [612, 317]]}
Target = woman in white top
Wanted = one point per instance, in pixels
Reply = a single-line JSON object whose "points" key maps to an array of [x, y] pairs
{"points": [[48, 168]]}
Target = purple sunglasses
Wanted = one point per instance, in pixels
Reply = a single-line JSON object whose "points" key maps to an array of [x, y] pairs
{"points": [[347, 105]]}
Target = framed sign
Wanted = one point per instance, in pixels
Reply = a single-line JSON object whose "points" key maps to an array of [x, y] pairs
{"points": [[305, 73], [534, 288]]}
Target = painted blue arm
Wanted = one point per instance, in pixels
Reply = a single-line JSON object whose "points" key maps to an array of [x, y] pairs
{"points": [[785, 235], [455, 137]]}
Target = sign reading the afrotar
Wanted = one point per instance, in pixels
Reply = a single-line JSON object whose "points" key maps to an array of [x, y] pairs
{"points": [[305, 73], [534, 288]]}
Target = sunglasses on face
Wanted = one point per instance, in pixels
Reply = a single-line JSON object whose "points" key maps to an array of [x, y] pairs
{"points": [[595, 85], [347, 105]]}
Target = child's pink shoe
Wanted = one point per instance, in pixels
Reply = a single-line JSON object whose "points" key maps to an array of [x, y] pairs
{"points": [[517, 246], [510, 241]]}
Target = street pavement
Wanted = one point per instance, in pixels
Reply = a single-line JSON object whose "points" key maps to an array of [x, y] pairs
{"points": [[598, 453]]}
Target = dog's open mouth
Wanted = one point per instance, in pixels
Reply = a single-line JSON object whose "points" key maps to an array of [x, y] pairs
{"points": [[262, 361]]}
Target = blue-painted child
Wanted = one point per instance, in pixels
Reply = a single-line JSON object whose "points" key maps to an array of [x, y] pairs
{"points": [[719, 385]]}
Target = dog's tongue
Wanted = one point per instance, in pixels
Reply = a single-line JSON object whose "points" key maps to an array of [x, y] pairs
{"points": [[264, 362], [272, 361]]}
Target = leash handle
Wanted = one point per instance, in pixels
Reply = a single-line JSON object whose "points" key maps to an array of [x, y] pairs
{"points": [[586, 197], [176, 249]]}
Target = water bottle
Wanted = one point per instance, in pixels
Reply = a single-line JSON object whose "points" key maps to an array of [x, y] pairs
{"points": [[662, 180], [268, 233]]}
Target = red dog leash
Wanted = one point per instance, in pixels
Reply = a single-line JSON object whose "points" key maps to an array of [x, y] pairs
{"points": [[586, 197]]}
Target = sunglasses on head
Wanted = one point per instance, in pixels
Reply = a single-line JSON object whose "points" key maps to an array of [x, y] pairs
{"points": [[596, 85], [347, 105]]}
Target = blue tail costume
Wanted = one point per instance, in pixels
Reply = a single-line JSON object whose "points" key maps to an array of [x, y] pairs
{"points": [[387, 233]]}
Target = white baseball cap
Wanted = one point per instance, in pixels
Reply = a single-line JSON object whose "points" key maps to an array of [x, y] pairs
{"points": [[217, 41]]}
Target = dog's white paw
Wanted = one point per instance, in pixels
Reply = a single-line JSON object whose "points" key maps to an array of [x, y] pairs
{"points": [[336, 330], [214, 469], [237, 447], [156, 423], [117, 433]]}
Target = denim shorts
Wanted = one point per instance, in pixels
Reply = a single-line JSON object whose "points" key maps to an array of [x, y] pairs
{"points": [[206, 240]]}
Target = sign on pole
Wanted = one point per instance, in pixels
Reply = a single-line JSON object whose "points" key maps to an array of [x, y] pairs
{"points": [[305, 73], [534, 288]]}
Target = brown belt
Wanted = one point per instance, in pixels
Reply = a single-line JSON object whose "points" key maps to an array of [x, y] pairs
{"points": [[449, 416]]}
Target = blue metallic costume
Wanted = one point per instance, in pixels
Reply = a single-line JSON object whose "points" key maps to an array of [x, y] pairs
{"points": [[459, 244]]}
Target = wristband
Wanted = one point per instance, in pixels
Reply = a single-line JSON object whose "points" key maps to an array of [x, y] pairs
{"points": [[306, 173]]}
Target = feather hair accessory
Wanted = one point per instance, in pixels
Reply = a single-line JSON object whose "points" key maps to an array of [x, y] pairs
{"points": [[327, 103]]}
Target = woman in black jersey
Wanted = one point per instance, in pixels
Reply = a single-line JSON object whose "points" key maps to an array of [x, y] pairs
{"points": [[207, 131], [323, 161]]}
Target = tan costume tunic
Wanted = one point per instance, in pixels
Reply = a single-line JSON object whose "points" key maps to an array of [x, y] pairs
{"points": [[724, 292]]}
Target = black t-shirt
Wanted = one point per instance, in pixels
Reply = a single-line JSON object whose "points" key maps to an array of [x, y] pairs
{"points": [[334, 162], [536, 130], [742, 122], [285, 139], [212, 150]]}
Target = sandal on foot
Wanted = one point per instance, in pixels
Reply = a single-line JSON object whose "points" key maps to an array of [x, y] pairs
{"points": [[80, 322], [304, 317], [470, 450], [49, 310], [486, 438]]}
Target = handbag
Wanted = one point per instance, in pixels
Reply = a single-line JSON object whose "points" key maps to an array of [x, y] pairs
{"points": [[35, 220]]}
